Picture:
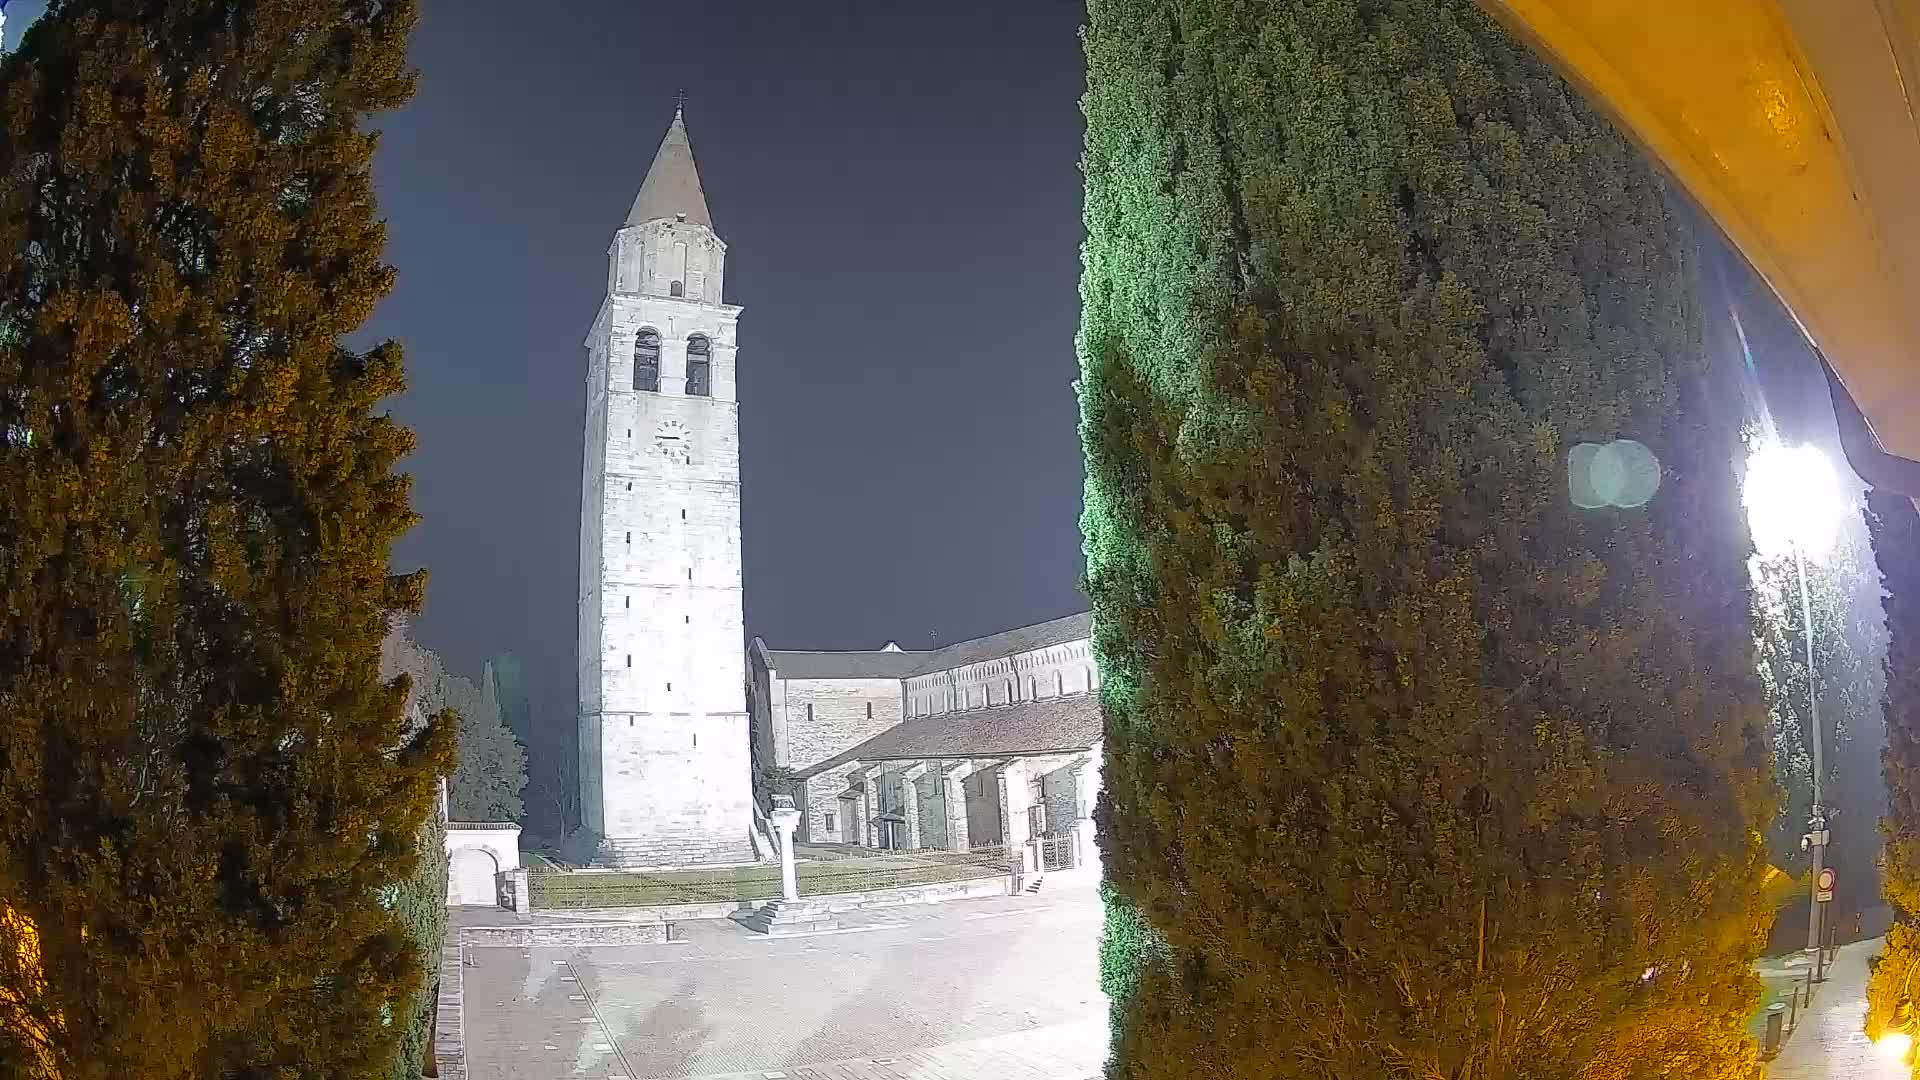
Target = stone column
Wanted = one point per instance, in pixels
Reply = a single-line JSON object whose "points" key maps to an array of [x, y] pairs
{"points": [[910, 802], [1086, 780], [953, 802], [863, 828], [1014, 800], [877, 805], [785, 820]]}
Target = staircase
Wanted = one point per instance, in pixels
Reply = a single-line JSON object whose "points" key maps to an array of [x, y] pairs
{"points": [[778, 918], [1034, 885]]}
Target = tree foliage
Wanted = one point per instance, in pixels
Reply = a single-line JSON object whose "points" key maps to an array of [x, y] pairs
{"points": [[205, 785], [1893, 992], [420, 901], [1849, 642], [1413, 769], [491, 770]]}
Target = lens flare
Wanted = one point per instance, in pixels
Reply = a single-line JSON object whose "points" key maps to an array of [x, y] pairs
{"points": [[1894, 1045]]}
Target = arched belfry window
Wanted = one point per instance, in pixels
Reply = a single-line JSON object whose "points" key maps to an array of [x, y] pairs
{"points": [[699, 366], [646, 361]]}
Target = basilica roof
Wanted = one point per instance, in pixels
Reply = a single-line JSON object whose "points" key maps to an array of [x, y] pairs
{"points": [[1047, 726], [896, 664]]}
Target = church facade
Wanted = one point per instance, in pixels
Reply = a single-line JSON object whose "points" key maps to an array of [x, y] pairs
{"points": [[664, 768], [987, 743]]}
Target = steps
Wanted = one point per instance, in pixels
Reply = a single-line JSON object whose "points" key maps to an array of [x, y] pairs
{"points": [[1034, 885], [778, 918]]}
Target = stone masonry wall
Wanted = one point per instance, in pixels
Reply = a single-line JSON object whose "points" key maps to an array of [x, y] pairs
{"points": [[1067, 668], [825, 717], [665, 766]]}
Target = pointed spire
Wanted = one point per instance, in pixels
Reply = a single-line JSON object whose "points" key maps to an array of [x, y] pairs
{"points": [[672, 186]]}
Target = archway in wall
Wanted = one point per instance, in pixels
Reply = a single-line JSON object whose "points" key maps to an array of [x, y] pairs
{"points": [[470, 878]]}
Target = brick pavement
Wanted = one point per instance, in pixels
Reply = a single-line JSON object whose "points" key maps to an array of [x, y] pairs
{"points": [[1828, 1043], [1002, 989], [1061, 1052]]}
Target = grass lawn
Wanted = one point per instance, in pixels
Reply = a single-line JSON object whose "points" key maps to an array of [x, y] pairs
{"points": [[759, 882]]}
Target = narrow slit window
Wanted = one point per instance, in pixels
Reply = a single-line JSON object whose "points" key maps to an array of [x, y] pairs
{"points": [[629, 659]]}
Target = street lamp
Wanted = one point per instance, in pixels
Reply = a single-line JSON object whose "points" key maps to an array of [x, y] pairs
{"points": [[1794, 507]]}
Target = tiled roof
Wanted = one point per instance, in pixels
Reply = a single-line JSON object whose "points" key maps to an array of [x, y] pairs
{"points": [[873, 664], [1051, 725], [892, 664]]}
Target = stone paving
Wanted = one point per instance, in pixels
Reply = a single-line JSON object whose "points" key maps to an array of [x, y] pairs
{"points": [[1000, 989], [1828, 1043]]}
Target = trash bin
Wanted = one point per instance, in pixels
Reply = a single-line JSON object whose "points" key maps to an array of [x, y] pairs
{"points": [[1776, 1025]]}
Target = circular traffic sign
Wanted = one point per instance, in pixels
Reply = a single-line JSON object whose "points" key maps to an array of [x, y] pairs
{"points": [[1826, 878]]}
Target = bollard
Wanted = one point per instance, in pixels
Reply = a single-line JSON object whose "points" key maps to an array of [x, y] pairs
{"points": [[1793, 1018], [1776, 1018]]}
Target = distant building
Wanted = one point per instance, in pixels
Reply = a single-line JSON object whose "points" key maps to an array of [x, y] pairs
{"points": [[994, 741]]}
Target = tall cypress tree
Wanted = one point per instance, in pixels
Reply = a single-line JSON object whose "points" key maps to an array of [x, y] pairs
{"points": [[1412, 767], [1894, 992], [205, 787]]}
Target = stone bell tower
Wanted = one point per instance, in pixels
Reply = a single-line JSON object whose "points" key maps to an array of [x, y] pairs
{"points": [[664, 766]]}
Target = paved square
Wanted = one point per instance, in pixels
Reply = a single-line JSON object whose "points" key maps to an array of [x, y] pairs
{"points": [[1002, 989]]}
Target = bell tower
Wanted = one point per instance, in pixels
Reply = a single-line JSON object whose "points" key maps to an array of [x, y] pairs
{"points": [[664, 766]]}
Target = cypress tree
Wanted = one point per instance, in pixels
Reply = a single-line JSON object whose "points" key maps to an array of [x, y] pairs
{"points": [[1412, 767], [1893, 991], [206, 789]]}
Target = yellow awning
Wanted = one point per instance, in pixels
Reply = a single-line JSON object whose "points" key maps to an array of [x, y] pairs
{"points": [[1792, 123]]}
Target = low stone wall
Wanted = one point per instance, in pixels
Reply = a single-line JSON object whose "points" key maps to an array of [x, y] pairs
{"points": [[566, 934], [449, 1017]]}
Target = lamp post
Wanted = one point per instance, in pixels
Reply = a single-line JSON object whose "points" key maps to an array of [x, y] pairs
{"points": [[1794, 508]]}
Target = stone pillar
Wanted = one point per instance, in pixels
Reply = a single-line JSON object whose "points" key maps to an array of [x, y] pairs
{"points": [[1014, 800], [863, 828], [910, 802], [1086, 789], [953, 801], [785, 820], [516, 893]]}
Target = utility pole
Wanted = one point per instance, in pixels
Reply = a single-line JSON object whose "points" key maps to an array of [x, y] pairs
{"points": [[1817, 819]]}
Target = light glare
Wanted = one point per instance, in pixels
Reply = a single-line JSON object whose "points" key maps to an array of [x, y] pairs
{"points": [[1792, 500], [1894, 1045]]}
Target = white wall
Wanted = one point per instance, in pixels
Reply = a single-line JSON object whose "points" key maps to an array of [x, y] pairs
{"points": [[474, 857]]}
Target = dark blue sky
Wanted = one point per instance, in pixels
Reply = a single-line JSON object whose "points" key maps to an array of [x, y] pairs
{"points": [[898, 188]]}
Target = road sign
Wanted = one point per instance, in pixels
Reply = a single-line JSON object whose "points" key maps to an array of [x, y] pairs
{"points": [[1823, 884]]}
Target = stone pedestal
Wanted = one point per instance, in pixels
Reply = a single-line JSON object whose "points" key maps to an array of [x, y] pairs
{"points": [[785, 820], [516, 892]]}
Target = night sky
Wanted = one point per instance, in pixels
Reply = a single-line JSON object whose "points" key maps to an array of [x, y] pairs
{"points": [[898, 189]]}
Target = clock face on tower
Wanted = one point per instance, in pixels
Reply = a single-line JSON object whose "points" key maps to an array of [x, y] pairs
{"points": [[674, 442]]}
